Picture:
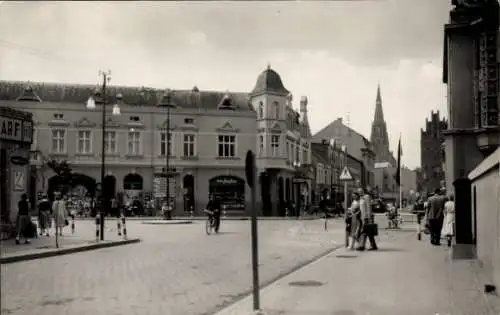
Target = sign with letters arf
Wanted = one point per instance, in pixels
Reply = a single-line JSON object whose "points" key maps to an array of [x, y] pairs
{"points": [[15, 129]]}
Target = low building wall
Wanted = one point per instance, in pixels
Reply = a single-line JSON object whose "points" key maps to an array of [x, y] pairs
{"points": [[485, 193]]}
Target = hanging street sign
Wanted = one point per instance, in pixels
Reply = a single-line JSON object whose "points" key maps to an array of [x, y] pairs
{"points": [[346, 174]]}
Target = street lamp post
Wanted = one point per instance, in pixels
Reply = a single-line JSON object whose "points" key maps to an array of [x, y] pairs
{"points": [[297, 165], [167, 151], [91, 104]]}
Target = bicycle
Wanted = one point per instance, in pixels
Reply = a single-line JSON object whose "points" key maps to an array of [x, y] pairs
{"points": [[210, 223]]}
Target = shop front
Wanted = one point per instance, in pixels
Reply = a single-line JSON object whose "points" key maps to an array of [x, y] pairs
{"points": [[16, 136], [229, 191]]}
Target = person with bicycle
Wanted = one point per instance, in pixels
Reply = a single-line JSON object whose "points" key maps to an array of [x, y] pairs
{"points": [[213, 210]]}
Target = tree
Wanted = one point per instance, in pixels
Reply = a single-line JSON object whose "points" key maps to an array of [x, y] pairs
{"points": [[64, 173]]}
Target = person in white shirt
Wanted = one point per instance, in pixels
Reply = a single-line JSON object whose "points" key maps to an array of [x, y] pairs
{"points": [[366, 218], [353, 222], [449, 219]]}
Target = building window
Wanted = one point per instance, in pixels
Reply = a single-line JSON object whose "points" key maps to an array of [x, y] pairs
{"points": [[297, 153], [304, 155], [84, 141], [110, 142], [189, 141], [275, 145], [227, 146], [134, 143], [164, 143], [58, 141], [276, 107], [261, 145], [189, 121], [261, 110]]}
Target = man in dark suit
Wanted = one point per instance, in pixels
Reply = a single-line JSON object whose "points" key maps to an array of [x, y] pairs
{"points": [[435, 216]]}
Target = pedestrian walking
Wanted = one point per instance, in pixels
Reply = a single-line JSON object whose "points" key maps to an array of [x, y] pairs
{"points": [[353, 222], [449, 219], [60, 214], [23, 219], [368, 226], [435, 216], [44, 215]]}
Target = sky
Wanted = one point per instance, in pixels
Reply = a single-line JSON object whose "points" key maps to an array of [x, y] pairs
{"points": [[333, 52]]}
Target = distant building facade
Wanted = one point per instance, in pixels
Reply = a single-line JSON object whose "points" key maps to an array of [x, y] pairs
{"points": [[379, 135], [432, 155], [328, 162], [357, 146]]}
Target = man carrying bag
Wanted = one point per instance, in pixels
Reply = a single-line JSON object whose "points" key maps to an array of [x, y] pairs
{"points": [[369, 228]]}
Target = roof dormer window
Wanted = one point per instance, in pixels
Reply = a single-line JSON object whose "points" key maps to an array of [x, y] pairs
{"points": [[226, 102]]}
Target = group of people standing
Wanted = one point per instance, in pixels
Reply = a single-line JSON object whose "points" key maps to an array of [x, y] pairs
{"points": [[360, 224], [47, 211], [440, 217]]}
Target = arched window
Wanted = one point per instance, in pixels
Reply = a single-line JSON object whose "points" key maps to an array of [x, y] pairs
{"points": [[261, 110], [276, 108]]}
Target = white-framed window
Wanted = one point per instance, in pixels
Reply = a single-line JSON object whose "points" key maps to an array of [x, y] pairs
{"points": [[134, 142], [226, 146], [110, 146], [276, 108], [166, 143], [291, 153], [84, 141], [261, 145], [275, 145], [189, 145], [297, 153], [58, 141], [261, 110], [304, 155]]}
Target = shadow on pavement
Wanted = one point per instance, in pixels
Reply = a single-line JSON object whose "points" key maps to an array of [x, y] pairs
{"points": [[382, 249]]}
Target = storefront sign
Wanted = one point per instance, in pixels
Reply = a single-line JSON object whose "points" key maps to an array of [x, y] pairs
{"points": [[226, 181], [16, 129], [19, 160]]}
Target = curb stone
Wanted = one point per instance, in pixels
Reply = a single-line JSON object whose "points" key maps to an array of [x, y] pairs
{"points": [[167, 222], [65, 251]]}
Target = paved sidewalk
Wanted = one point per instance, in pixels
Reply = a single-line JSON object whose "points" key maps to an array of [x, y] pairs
{"points": [[404, 277], [83, 239]]}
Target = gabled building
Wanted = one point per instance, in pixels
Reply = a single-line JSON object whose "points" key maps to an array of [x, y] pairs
{"points": [[356, 145], [328, 162]]}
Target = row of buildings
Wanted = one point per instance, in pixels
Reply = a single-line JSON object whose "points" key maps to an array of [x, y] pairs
{"points": [[204, 134]]}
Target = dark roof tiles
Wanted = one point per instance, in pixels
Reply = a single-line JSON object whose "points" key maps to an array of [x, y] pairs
{"points": [[79, 93], [270, 81]]}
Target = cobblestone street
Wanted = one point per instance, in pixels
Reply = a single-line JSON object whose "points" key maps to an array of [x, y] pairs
{"points": [[177, 269]]}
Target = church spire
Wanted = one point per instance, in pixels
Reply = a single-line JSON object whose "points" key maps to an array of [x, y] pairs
{"points": [[379, 113]]}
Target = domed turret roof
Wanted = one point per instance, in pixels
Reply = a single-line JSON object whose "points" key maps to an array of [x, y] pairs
{"points": [[270, 81]]}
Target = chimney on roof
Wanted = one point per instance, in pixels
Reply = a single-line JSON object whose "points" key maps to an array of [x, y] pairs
{"points": [[340, 120]]}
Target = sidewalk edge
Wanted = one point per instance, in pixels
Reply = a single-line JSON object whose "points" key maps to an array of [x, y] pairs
{"points": [[240, 297], [65, 251]]}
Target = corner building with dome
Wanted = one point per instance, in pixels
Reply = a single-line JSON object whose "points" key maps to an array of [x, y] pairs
{"points": [[209, 131]]}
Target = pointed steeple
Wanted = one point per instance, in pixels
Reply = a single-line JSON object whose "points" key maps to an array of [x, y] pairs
{"points": [[379, 136], [379, 113]]}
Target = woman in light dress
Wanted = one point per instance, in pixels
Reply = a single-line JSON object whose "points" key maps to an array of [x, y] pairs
{"points": [[354, 221], [60, 214], [449, 219]]}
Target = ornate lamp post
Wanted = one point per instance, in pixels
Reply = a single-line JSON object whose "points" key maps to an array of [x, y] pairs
{"points": [[166, 103], [101, 97]]}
